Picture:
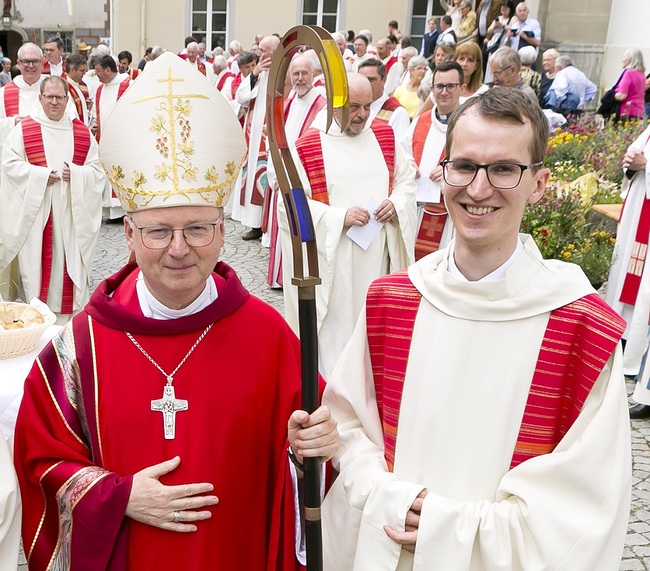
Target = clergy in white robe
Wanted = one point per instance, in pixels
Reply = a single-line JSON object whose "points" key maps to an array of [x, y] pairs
{"points": [[251, 93], [299, 113], [50, 209], [384, 108], [10, 516], [20, 97], [111, 87], [628, 286], [358, 186], [481, 404], [425, 145]]}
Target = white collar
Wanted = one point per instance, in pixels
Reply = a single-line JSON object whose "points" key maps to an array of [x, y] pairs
{"points": [[493, 276], [152, 308]]}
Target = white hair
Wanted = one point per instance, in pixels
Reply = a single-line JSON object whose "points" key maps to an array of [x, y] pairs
{"points": [[235, 46], [219, 62], [366, 34]]}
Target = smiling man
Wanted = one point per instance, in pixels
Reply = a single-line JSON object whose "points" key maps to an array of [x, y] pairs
{"points": [[481, 401], [425, 142], [141, 438], [352, 173]]}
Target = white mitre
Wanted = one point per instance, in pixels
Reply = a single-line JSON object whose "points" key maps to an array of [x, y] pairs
{"points": [[172, 140]]}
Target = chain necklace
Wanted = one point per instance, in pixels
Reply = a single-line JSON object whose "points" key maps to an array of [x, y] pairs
{"points": [[169, 405]]}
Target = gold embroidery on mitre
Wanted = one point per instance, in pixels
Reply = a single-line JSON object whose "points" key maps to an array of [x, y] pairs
{"points": [[173, 131]]}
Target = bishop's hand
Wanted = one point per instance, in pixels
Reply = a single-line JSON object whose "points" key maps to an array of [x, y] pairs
{"points": [[313, 435], [408, 538], [168, 507]]}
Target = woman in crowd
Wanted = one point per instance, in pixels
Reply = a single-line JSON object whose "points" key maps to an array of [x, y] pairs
{"points": [[407, 94], [528, 55], [497, 33], [470, 58], [548, 63], [468, 22], [452, 9], [630, 91]]}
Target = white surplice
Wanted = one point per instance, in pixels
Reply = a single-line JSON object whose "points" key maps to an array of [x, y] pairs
{"points": [[473, 353]]}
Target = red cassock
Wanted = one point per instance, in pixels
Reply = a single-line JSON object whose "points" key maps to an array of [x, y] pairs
{"points": [[86, 426]]}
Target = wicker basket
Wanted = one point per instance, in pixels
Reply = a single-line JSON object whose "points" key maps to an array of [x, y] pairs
{"points": [[16, 342]]}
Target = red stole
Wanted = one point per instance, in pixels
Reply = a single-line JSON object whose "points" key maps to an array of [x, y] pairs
{"points": [[78, 99], [11, 99], [35, 153], [235, 84], [98, 97], [390, 63], [133, 72], [434, 216], [310, 152], [200, 66], [387, 109], [580, 337], [223, 78], [318, 103], [47, 71], [638, 259]]}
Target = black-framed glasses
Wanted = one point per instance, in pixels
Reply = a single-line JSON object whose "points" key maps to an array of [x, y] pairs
{"points": [[159, 237], [450, 87], [51, 98], [28, 62], [500, 175]]}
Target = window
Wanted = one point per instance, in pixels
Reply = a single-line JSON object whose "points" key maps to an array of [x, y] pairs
{"points": [[422, 11], [322, 13], [67, 37], [209, 22]]}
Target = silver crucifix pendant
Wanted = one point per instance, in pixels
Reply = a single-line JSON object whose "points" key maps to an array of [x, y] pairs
{"points": [[169, 405]]}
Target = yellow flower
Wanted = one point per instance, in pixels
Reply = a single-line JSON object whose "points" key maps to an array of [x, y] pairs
{"points": [[570, 247], [117, 173], [190, 173], [602, 234], [566, 254], [211, 175], [157, 124], [138, 179], [162, 172]]}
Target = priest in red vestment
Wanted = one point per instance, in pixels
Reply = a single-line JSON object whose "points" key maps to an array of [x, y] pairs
{"points": [[148, 438]]}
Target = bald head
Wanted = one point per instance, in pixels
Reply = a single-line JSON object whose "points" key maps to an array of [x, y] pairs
{"points": [[192, 51], [360, 97], [268, 45]]}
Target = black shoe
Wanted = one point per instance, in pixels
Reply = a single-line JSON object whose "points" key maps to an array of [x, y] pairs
{"points": [[252, 234], [640, 411]]}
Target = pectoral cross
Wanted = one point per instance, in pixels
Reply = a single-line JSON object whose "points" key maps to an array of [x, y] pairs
{"points": [[169, 405]]}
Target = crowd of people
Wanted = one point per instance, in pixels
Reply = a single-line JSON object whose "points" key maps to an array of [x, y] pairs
{"points": [[426, 287]]}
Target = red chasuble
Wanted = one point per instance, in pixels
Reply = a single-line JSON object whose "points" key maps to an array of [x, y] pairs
{"points": [[86, 425]]}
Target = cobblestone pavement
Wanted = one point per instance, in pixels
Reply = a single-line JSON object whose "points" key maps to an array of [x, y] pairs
{"points": [[250, 260]]}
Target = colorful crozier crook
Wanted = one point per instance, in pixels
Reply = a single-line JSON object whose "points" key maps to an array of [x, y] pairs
{"points": [[303, 238]]}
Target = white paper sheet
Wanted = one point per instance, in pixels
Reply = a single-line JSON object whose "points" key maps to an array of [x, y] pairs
{"points": [[426, 190], [363, 236]]}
